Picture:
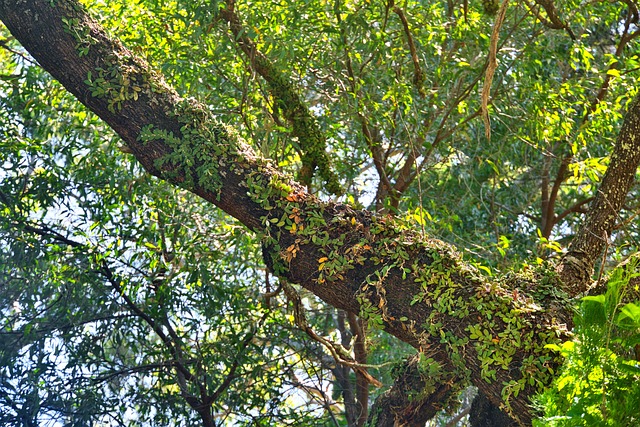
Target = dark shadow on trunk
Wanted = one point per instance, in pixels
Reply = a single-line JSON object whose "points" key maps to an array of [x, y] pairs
{"points": [[486, 414], [408, 403]]}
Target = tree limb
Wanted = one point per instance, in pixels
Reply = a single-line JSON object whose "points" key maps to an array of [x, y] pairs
{"points": [[305, 126], [587, 246]]}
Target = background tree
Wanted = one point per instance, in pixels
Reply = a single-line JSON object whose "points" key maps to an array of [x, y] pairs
{"points": [[127, 301]]}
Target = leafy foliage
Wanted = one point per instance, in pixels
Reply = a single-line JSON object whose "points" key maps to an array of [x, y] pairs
{"points": [[600, 381]]}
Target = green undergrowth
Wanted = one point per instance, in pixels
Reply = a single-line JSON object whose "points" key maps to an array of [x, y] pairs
{"points": [[599, 384]]}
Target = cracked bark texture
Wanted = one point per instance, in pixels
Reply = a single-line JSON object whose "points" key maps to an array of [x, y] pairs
{"points": [[589, 244]]}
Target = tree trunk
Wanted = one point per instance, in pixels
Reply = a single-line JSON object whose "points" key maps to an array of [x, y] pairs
{"points": [[485, 414], [410, 402]]}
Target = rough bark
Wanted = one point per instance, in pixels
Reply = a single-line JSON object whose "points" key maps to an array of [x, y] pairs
{"points": [[406, 404], [592, 239], [468, 329], [485, 414]]}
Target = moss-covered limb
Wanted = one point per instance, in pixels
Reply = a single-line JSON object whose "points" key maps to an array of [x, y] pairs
{"points": [[492, 333], [305, 127], [173, 138], [593, 237]]}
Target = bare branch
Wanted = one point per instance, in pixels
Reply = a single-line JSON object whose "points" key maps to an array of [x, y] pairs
{"points": [[418, 74], [491, 67]]}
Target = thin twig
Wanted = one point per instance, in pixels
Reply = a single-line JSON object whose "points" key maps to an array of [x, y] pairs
{"points": [[336, 350]]}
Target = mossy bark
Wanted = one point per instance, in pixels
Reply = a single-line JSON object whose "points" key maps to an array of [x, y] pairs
{"points": [[305, 127]]}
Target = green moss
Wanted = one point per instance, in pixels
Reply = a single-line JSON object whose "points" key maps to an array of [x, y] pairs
{"points": [[305, 128]]}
